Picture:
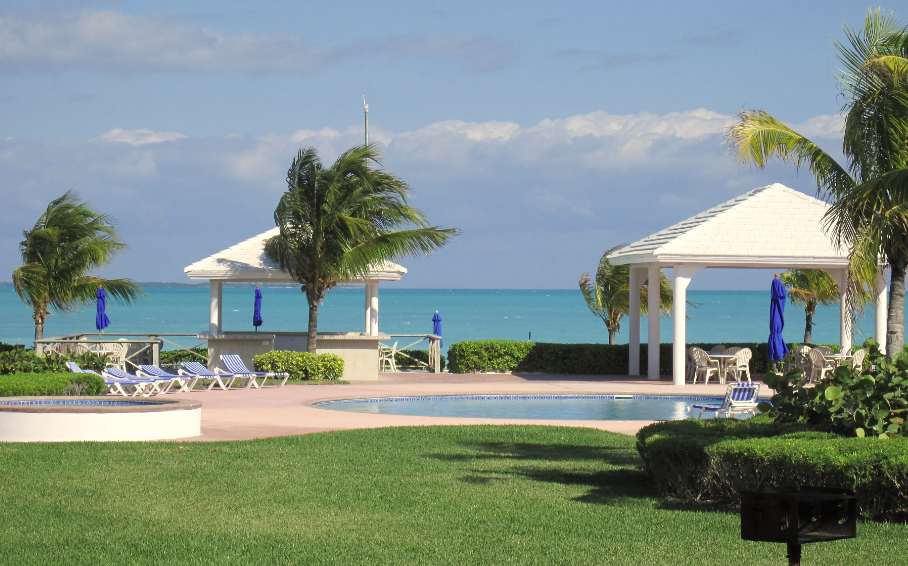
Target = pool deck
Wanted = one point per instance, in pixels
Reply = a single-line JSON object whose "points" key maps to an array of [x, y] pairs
{"points": [[247, 414]]}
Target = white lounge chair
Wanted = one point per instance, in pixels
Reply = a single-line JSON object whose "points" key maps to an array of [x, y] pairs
{"points": [[124, 387], [235, 365], [196, 372], [740, 399], [153, 371], [153, 385]]}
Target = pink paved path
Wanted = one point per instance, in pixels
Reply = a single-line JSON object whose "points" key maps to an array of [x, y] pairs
{"points": [[245, 414]]}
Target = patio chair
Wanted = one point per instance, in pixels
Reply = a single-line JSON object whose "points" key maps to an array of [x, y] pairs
{"points": [[733, 350], [741, 364], [153, 385], [690, 368], [826, 351], [235, 365], [740, 399], [386, 355], [196, 372], [819, 365], [857, 360], [704, 366], [802, 359], [114, 386], [152, 371], [718, 349]]}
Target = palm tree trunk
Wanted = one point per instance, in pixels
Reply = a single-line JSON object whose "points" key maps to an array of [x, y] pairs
{"points": [[313, 327], [808, 334], [39, 326], [895, 330], [611, 336]]}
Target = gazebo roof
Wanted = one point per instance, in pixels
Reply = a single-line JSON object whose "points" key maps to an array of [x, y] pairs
{"points": [[768, 227], [247, 261]]}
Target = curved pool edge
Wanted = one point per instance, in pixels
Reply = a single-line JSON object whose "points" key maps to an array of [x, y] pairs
{"points": [[147, 419]]}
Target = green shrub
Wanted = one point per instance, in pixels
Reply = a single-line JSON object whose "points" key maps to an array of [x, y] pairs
{"points": [[25, 361], [872, 402], [62, 383], [301, 365], [580, 359], [418, 355], [4, 347], [176, 357]]}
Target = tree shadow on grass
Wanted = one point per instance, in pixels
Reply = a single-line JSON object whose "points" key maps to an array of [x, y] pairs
{"points": [[549, 452]]}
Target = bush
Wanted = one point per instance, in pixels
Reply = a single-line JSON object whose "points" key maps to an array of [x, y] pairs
{"points": [[63, 383], [581, 359], [25, 361], [175, 357], [418, 355], [4, 347], [301, 365]]}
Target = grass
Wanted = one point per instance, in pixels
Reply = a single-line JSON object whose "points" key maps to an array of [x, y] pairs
{"points": [[422, 495]]}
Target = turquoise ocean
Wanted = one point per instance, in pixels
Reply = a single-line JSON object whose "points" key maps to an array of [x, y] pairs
{"points": [[467, 314]]}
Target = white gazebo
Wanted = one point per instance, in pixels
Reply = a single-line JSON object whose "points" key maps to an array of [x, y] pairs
{"points": [[772, 227], [248, 262]]}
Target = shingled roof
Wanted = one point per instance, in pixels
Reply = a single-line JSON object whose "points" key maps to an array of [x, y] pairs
{"points": [[772, 226], [247, 261]]}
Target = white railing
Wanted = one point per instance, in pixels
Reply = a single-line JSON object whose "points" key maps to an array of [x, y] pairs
{"points": [[125, 350], [434, 364]]}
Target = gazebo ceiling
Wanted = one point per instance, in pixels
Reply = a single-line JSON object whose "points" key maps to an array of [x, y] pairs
{"points": [[768, 227], [246, 261]]}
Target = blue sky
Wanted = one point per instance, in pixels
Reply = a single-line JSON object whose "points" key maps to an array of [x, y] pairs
{"points": [[548, 133]]}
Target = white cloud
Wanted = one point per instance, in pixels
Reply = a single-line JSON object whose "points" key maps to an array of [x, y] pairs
{"points": [[109, 41], [140, 137], [823, 126]]}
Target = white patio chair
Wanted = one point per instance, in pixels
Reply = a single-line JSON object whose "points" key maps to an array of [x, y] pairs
{"points": [[819, 365], [732, 350], [718, 349], [690, 368], [705, 366], [740, 399], [386, 354], [824, 350], [741, 364], [802, 359], [857, 360]]}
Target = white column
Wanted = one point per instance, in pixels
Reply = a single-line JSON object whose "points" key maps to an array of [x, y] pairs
{"points": [[654, 281], [844, 313], [682, 275], [881, 310], [368, 310], [636, 281], [373, 308], [215, 306]]}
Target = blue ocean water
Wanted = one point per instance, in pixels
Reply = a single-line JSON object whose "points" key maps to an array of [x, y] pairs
{"points": [[467, 314]]}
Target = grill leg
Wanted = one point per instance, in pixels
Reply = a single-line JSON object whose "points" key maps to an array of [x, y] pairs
{"points": [[794, 554]]}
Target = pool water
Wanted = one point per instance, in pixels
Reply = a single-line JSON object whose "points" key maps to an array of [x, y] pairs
{"points": [[543, 407]]}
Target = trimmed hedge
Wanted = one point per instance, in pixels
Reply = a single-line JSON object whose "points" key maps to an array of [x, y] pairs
{"points": [[717, 459], [25, 361], [581, 359], [301, 365], [62, 383]]}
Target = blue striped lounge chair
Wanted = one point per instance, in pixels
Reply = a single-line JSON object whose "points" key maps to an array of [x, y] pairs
{"points": [[153, 385], [234, 364], [196, 371], [152, 371], [740, 399], [124, 387]]}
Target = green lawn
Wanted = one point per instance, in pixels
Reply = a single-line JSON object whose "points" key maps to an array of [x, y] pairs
{"points": [[425, 495]]}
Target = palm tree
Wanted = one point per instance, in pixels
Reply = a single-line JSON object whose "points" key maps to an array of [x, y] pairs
{"points": [[67, 242], [337, 223], [868, 212], [810, 287], [608, 297]]}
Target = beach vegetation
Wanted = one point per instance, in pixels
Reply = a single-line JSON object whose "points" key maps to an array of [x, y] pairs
{"points": [[51, 383], [175, 357], [608, 294], [25, 361], [59, 252], [301, 365], [867, 193], [810, 288], [441, 495], [339, 222]]}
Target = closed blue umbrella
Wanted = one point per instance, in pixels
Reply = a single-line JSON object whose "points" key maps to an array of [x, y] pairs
{"points": [[257, 313], [777, 347], [436, 328], [101, 320]]}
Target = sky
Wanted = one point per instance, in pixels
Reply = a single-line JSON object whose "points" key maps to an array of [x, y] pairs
{"points": [[546, 132]]}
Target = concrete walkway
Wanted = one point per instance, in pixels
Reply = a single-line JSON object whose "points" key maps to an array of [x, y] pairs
{"points": [[246, 414]]}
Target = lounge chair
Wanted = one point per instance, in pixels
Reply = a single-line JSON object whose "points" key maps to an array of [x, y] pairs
{"points": [[235, 365], [154, 385], [740, 399], [124, 387], [197, 372], [152, 371]]}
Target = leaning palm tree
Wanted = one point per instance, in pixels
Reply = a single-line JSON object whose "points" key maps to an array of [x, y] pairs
{"points": [[67, 242], [339, 222], [868, 213], [608, 297], [810, 288]]}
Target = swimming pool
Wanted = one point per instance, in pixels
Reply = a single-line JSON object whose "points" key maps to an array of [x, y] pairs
{"points": [[543, 407]]}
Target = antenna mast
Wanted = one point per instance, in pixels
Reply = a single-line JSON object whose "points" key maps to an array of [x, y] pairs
{"points": [[366, 108]]}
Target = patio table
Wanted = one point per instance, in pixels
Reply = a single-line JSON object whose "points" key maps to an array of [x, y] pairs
{"points": [[837, 359], [723, 360]]}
